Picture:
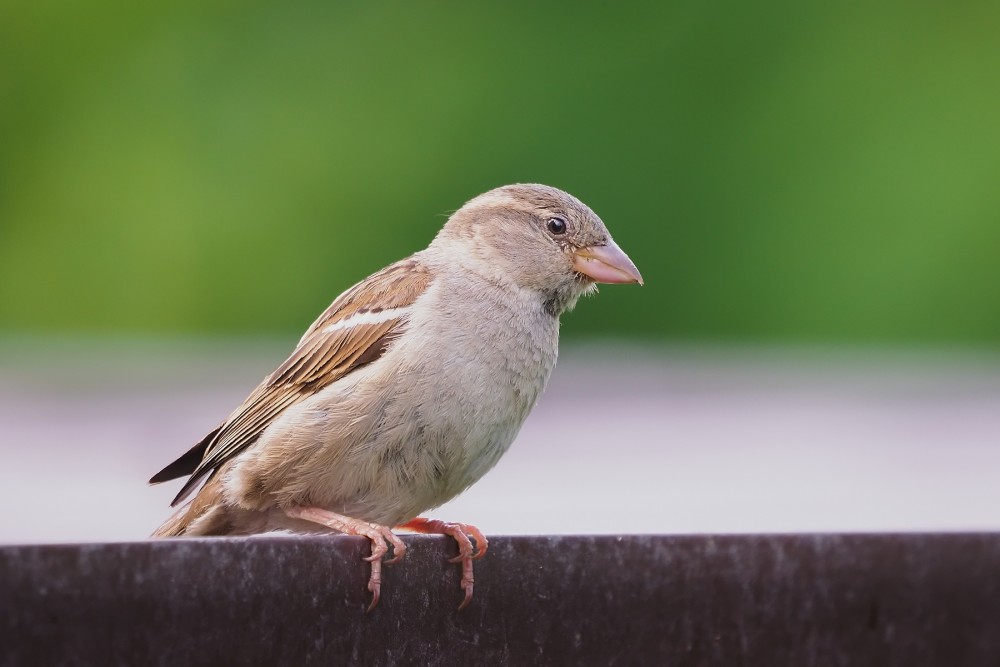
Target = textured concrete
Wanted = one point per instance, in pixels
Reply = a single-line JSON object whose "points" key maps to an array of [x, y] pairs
{"points": [[905, 600]]}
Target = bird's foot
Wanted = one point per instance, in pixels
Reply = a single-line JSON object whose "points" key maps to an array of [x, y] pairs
{"points": [[461, 533], [380, 536]]}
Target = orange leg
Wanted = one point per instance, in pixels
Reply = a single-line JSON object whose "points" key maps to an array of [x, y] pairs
{"points": [[378, 535], [460, 532]]}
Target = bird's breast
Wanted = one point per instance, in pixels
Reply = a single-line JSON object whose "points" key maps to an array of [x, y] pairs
{"points": [[414, 428], [474, 376]]}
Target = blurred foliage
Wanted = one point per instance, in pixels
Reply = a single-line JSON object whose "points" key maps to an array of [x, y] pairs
{"points": [[785, 171]]}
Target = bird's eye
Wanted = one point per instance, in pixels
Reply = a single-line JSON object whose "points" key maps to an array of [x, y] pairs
{"points": [[556, 225]]}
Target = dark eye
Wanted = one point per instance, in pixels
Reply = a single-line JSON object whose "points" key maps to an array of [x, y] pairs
{"points": [[556, 225]]}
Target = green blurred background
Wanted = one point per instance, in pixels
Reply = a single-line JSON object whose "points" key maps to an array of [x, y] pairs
{"points": [[788, 172]]}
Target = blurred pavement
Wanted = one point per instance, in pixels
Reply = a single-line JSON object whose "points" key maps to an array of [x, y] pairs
{"points": [[625, 439]]}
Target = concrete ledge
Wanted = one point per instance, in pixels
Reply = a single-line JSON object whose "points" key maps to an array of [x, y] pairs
{"points": [[689, 600]]}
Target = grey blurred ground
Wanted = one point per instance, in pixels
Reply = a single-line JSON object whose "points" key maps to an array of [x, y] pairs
{"points": [[625, 439]]}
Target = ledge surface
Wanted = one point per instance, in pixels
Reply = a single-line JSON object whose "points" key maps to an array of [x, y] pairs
{"points": [[680, 600]]}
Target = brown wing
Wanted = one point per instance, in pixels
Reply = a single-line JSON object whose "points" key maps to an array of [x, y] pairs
{"points": [[321, 358]]}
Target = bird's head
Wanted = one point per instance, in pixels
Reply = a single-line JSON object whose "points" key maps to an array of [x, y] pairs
{"points": [[539, 238]]}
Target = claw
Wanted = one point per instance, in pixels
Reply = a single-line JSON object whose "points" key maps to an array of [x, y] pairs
{"points": [[460, 532], [398, 547], [467, 600], [482, 544], [375, 585], [379, 547], [373, 531]]}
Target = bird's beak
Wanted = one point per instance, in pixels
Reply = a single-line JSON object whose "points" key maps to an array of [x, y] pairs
{"points": [[606, 264]]}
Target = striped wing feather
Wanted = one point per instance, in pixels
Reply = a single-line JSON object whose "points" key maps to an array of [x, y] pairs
{"points": [[322, 357]]}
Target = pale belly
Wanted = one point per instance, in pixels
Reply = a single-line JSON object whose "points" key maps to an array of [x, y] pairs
{"points": [[437, 447], [398, 439]]}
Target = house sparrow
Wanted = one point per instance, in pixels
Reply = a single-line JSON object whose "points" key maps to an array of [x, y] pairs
{"points": [[409, 387]]}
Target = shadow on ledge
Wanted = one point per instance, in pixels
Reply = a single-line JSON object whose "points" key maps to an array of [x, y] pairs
{"points": [[677, 600]]}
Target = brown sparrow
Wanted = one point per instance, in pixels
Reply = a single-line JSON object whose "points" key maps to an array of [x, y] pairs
{"points": [[409, 387]]}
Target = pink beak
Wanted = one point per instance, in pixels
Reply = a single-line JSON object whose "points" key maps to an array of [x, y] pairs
{"points": [[606, 264]]}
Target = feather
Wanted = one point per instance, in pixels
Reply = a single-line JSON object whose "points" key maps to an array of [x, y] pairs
{"points": [[188, 461], [357, 328]]}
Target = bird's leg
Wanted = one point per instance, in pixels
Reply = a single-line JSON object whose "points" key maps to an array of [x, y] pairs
{"points": [[373, 531], [460, 532]]}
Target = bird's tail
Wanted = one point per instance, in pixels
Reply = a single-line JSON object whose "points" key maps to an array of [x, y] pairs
{"points": [[205, 514], [176, 525]]}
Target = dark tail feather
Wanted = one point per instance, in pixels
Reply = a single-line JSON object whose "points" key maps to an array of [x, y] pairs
{"points": [[189, 486], [188, 462]]}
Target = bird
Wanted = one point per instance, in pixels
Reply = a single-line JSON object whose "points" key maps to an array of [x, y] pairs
{"points": [[408, 388]]}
